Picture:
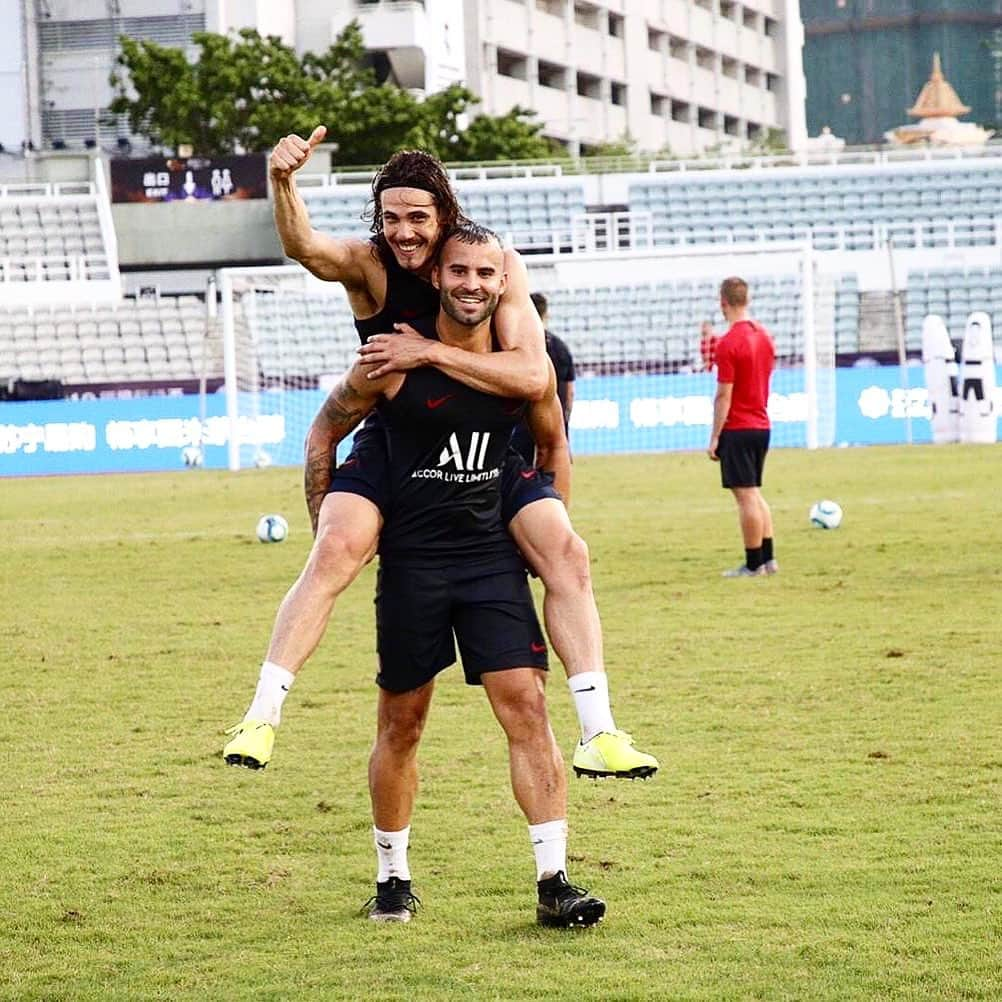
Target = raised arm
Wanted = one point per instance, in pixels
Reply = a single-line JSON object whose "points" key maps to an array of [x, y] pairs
{"points": [[329, 258], [546, 425], [346, 404], [519, 370]]}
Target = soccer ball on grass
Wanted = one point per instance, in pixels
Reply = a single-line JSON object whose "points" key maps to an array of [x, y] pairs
{"points": [[826, 514], [272, 529]]}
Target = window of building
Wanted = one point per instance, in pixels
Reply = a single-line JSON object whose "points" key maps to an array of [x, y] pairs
{"points": [[705, 58], [586, 14], [707, 118], [753, 76], [589, 86], [616, 25], [617, 93], [678, 48], [771, 27], [749, 18], [705, 4], [771, 82], [551, 75], [657, 41], [681, 111], [511, 64], [555, 7], [728, 9], [729, 67], [753, 130], [731, 126], [660, 105]]}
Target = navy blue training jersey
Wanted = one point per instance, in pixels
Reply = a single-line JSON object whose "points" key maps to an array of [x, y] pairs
{"points": [[408, 298], [447, 444]]}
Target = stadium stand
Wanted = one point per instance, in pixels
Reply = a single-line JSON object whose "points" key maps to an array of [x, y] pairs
{"points": [[841, 208], [62, 314]]}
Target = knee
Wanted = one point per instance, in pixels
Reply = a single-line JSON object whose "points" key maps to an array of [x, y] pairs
{"points": [[400, 732], [567, 562], [524, 716], [337, 552]]}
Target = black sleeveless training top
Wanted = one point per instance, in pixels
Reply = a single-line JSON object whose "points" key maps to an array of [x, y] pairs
{"points": [[447, 445], [408, 298]]}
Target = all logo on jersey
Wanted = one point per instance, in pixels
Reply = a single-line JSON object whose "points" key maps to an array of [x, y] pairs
{"points": [[463, 460], [474, 453]]}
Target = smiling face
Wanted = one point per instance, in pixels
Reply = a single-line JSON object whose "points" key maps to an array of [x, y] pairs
{"points": [[471, 279], [411, 226]]}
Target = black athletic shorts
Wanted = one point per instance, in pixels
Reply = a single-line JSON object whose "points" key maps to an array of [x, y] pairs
{"points": [[364, 472], [420, 610], [742, 456]]}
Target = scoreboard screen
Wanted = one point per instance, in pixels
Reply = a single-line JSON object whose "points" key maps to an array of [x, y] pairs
{"points": [[189, 179]]}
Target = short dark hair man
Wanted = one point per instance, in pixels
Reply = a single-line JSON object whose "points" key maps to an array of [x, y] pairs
{"points": [[745, 358], [563, 366], [449, 569]]}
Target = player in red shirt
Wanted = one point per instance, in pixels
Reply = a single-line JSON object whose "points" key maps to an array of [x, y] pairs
{"points": [[745, 358]]}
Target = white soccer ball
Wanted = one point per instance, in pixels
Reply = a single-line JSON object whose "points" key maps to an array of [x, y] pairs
{"points": [[192, 456], [272, 529], [826, 514]]}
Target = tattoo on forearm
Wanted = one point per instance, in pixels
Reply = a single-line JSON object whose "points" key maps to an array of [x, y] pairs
{"points": [[343, 409]]}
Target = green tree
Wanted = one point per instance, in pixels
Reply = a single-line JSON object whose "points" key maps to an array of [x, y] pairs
{"points": [[246, 91]]}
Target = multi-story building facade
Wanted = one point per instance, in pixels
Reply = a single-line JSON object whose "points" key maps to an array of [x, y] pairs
{"points": [[678, 75]]}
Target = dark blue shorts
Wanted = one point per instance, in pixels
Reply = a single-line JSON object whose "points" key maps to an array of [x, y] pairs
{"points": [[422, 612], [365, 472]]}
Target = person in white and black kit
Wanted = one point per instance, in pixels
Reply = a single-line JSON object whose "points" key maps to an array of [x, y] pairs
{"points": [[449, 569], [563, 366]]}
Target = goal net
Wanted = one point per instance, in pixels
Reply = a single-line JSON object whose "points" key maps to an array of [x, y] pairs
{"points": [[633, 323]]}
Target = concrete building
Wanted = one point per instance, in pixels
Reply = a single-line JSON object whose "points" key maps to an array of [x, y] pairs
{"points": [[678, 75]]}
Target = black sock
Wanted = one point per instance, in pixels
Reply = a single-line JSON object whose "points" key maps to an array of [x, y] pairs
{"points": [[753, 558], [767, 550]]}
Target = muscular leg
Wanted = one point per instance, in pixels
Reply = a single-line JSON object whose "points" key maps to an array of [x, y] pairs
{"points": [[347, 534], [543, 532], [393, 776], [537, 768]]}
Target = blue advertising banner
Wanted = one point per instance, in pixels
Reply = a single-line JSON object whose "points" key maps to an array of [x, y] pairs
{"points": [[627, 413]]}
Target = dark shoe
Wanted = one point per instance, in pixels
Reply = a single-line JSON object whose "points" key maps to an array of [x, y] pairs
{"points": [[564, 906], [393, 901]]}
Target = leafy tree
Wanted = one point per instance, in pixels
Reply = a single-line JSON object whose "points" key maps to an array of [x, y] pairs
{"points": [[245, 91]]}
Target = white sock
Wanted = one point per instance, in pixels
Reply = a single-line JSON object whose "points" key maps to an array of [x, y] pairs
{"points": [[273, 686], [549, 844], [391, 851], [591, 697]]}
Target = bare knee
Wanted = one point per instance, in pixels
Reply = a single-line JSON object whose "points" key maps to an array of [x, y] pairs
{"points": [[566, 563], [400, 732], [338, 554], [523, 715]]}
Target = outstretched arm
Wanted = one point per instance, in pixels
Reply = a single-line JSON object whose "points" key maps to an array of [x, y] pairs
{"points": [[519, 370], [329, 258], [346, 404]]}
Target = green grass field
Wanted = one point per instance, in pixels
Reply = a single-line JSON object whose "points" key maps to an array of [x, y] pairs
{"points": [[826, 824]]}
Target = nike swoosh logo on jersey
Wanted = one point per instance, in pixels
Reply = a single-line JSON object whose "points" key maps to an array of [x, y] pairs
{"points": [[438, 401], [537, 648], [527, 474]]}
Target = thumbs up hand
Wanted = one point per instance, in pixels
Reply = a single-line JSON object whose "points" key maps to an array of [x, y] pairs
{"points": [[292, 151]]}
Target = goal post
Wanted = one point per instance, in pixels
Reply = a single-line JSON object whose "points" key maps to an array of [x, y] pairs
{"points": [[631, 319]]}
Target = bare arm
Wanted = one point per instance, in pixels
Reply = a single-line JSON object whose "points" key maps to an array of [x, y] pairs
{"points": [[519, 370], [721, 408], [334, 260], [346, 404], [545, 419]]}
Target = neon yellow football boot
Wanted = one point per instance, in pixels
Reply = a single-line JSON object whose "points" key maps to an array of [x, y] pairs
{"points": [[611, 753], [251, 744]]}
